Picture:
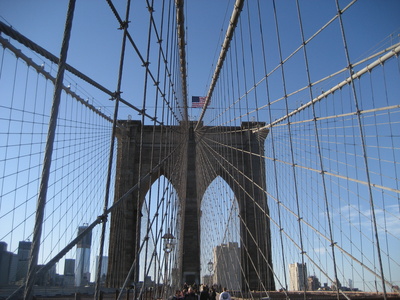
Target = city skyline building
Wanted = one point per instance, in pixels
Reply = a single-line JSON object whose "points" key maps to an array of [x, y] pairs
{"points": [[82, 262], [313, 283], [227, 266], [351, 286], [103, 269], [69, 272], [8, 265], [24, 249], [298, 277]]}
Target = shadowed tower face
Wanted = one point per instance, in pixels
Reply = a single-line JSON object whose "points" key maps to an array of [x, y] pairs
{"points": [[180, 155]]}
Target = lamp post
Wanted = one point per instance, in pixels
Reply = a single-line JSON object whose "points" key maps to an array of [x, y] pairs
{"points": [[168, 247], [210, 266]]}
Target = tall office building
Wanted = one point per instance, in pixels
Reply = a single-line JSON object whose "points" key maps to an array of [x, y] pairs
{"points": [[4, 264], [82, 262], [8, 265], [227, 266], [103, 269], [69, 272], [298, 277], [351, 284], [313, 283], [24, 250]]}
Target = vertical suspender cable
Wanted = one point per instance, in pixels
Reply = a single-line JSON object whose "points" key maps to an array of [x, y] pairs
{"points": [[140, 165], [41, 203], [148, 206], [299, 219], [149, 224], [371, 198], [111, 153], [275, 172], [316, 131]]}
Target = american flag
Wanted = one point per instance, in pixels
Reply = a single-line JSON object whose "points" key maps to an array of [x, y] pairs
{"points": [[198, 101]]}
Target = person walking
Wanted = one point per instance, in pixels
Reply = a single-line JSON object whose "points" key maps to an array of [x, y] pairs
{"points": [[204, 295], [213, 294], [191, 295], [225, 295]]}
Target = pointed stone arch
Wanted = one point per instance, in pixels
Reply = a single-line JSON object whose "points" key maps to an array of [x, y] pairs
{"points": [[220, 230], [243, 169], [140, 162]]}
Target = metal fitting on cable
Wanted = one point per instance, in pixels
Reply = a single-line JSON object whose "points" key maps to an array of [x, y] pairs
{"points": [[115, 95], [124, 25], [102, 218]]}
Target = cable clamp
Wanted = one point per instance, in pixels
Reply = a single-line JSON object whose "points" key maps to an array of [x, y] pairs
{"points": [[124, 25], [102, 218], [115, 95]]}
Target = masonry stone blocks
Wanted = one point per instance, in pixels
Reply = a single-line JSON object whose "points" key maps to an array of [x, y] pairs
{"points": [[146, 152]]}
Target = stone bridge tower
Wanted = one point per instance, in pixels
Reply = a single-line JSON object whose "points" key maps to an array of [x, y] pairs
{"points": [[178, 157]]}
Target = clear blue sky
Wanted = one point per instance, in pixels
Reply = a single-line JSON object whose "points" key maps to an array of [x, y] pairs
{"points": [[95, 41]]}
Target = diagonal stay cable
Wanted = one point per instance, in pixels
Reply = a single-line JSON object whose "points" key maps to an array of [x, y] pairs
{"points": [[144, 242], [290, 56], [269, 104], [294, 214], [363, 144], [312, 169], [40, 50], [349, 80], [208, 165], [18, 53], [99, 220], [111, 152], [141, 58]]}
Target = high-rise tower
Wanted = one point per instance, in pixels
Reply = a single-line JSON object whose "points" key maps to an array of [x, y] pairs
{"points": [[298, 277], [24, 249], [82, 263], [227, 266]]}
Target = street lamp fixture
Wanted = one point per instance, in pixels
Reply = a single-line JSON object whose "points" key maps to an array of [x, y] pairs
{"points": [[210, 266], [168, 247], [168, 242]]}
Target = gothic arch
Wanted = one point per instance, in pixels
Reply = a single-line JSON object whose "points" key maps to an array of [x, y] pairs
{"points": [[243, 168]]}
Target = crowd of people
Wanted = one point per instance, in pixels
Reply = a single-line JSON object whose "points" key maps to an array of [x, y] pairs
{"points": [[205, 293]]}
